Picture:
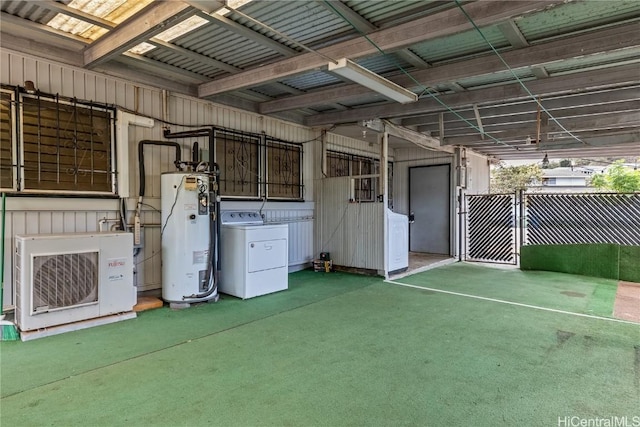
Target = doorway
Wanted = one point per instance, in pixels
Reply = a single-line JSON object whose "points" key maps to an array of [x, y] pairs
{"points": [[430, 204]]}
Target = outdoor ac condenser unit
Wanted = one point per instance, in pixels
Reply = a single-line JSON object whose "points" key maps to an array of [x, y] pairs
{"points": [[66, 278]]}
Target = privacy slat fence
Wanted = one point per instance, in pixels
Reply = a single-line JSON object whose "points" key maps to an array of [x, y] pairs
{"points": [[553, 219], [491, 232], [496, 228]]}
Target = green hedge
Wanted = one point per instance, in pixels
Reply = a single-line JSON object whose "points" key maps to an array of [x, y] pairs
{"points": [[598, 260]]}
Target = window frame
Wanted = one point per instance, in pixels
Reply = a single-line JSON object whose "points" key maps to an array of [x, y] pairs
{"points": [[13, 140], [300, 185], [111, 171], [258, 143]]}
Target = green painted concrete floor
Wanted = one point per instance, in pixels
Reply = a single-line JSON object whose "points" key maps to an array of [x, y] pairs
{"points": [[339, 349]]}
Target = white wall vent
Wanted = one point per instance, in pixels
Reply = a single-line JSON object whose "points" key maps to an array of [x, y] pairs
{"points": [[66, 278]]}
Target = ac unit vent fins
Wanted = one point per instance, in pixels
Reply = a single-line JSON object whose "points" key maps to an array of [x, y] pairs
{"points": [[64, 280]]}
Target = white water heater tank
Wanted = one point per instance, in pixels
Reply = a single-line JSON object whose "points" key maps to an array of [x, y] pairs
{"points": [[185, 236]]}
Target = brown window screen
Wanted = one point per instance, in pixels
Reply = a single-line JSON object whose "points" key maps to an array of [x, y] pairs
{"points": [[283, 170], [237, 155], [338, 164], [6, 140], [67, 146]]}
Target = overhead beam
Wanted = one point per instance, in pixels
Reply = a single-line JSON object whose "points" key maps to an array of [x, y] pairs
{"points": [[76, 13], [201, 59], [44, 50], [530, 117], [596, 100], [166, 70], [87, 17], [152, 20], [574, 125], [131, 71], [389, 40], [610, 39], [362, 25], [578, 82], [30, 30], [419, 139]]}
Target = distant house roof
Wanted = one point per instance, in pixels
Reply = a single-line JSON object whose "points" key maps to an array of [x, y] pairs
{"points": [[567, 173]]}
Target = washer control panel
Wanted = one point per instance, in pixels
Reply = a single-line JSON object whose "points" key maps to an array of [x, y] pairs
{"points": [[241, 217]]}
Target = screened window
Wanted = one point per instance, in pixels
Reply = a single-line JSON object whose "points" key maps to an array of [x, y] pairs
{"points": [[284, 162], [237, 155], [342, 164], [66, 145], [7, 158]]}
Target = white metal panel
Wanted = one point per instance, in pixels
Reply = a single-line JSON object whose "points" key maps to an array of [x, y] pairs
{"points": [[478, 174], [351, 232]]}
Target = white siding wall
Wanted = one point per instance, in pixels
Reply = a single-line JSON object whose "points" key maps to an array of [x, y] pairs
{"points": [[53, 215], [351, 232]]}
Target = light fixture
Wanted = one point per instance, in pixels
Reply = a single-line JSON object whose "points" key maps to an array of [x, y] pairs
{"points": [[357, 74], [29, 87]]}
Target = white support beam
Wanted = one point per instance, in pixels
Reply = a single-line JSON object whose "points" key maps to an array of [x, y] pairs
{"points": [[152, 20], [478, 120], [417, 138], [389, 39], [592, 43]]}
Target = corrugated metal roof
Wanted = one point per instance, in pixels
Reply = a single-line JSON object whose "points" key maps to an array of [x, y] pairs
{"points": [[383, 13], [30, 11], [216, 42], [461, 44], [305, 22], [576, 16], [312, 80]]}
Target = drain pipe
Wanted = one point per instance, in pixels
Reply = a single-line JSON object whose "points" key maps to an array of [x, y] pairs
{"points": [[177, 163]]}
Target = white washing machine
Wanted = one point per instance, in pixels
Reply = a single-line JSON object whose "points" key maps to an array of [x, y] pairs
{"points": [[254, 255]]}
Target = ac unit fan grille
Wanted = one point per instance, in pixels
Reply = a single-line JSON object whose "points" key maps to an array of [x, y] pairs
{"points": [[64, 280]]}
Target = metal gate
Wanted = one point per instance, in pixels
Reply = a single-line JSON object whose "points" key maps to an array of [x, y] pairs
{"points": [[491, 228], [555, 219]]}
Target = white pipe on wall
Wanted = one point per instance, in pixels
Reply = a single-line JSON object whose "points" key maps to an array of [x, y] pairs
{"points": [[123, 120]]}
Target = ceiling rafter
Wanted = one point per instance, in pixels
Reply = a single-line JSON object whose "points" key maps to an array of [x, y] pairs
{"points": [[152, 20], [531, 117], [595, 100], [608, 77], [609, 39], [390, 39], [362, 25], [576, 124]]}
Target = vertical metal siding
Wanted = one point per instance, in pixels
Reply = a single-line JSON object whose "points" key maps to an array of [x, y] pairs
{"points": [[51, 217], [351, 232]]}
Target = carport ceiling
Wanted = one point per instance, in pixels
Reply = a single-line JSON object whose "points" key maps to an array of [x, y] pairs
{"points": [[508, 79]]}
